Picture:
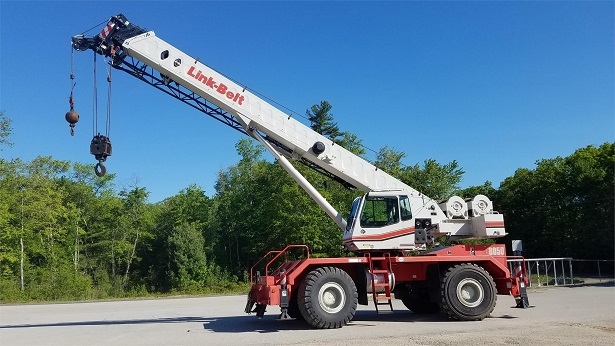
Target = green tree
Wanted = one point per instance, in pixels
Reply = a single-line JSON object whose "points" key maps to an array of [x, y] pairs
{"points": [[433, 179], [352, 143], [258, 207], [389, 160], [11, 202], [240, 208], [103, 231], [188, 266], [83, 190], [486, 189], [39, 230], [136, 222], [179, 233], [5, 131], [321, 120], [564, 207]]}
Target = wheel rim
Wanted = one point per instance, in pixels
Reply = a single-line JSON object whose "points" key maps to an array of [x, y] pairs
{"points": [[331, 297], [470, 293]]}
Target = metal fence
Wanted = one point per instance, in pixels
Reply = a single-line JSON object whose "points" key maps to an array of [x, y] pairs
{"points": [[567, 271]]}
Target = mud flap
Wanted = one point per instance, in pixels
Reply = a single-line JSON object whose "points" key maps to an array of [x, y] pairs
{"points": [[249, 304]]}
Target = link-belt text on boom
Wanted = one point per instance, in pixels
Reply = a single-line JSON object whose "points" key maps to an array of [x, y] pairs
{"points": [[221, 88]]}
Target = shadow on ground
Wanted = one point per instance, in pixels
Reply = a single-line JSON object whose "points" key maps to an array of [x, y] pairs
{"points": [[106, 322], [250, 323]]}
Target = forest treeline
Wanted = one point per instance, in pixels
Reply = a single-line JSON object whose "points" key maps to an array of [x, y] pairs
{"points": [[67, 234]]}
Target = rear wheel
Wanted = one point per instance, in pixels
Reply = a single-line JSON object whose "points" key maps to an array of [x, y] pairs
{"points": [[468, 292], [327, 298]]}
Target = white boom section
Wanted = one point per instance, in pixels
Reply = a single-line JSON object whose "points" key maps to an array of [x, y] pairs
{"points": [[234, 99], [255, 114]]}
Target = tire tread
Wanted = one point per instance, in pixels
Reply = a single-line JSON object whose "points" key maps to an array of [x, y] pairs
{"points": [[307, 306], [446, 305]]}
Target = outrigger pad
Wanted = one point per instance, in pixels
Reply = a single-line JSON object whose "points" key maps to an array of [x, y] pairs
{"points": [[523, 301], [284, 315]]}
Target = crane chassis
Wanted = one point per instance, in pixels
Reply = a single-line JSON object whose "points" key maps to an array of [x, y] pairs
{"points": [[391, 229]]}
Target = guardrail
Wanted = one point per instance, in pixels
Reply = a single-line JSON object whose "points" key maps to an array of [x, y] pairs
{"points": [[566, 271]]}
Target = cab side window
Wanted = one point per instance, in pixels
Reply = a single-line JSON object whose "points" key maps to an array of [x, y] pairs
{"points": [[404, 205]]}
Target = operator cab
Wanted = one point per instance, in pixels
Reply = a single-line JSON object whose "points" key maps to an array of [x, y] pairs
{"points": [[380, 220]]}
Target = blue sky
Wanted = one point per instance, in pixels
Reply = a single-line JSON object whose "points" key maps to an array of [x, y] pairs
{"points": [[493, 85]]}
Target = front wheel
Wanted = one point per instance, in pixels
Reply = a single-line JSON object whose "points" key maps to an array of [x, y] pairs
{"points": [[327, 298], [468, 292]]}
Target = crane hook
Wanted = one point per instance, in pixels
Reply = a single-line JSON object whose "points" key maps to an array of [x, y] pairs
{"points": [[100, 147], [99, 169]]}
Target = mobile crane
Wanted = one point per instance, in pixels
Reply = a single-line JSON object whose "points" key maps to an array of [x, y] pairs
{"points": [[389, 229]]}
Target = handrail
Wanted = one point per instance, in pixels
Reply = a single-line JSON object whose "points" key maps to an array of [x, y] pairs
{"points": [[283, 251], [558, 271], [278, 254], [259, 261]]}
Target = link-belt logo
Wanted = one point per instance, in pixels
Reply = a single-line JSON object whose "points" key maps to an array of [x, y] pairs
{"points": [[219, 87]]}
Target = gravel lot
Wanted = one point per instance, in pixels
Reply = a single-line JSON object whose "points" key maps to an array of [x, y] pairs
{"points": [[581, 315]]}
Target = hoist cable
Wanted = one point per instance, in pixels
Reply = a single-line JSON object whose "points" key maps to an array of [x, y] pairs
{"points": [[108, 120], [95, 26], [95, 103], [71, 100], [72, 67], [108, 65]]}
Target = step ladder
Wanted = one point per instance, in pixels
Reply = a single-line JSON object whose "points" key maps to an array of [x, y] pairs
{"points": [[380, 266]]}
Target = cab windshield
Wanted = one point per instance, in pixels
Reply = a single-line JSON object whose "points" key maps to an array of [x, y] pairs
{"points": [[380, 211]]}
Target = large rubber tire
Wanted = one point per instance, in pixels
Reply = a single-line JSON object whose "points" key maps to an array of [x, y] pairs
{"points": [[468, 292], [327, 298]]}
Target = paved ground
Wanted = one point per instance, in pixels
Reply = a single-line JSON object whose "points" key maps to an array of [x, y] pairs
{"points": [[582, 315]]}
